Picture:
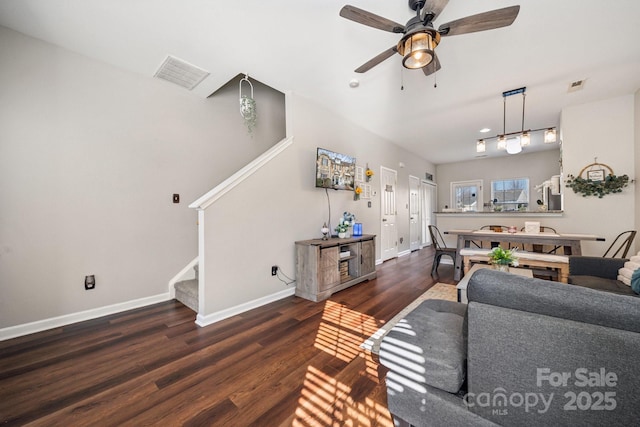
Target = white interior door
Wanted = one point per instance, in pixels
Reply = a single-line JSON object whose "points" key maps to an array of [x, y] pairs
{"points": [[389, 230], [428, 191], [415, 214]]}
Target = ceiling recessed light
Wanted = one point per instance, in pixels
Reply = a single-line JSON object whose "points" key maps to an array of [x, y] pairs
{"points": [[485, 130], [354, 83]]}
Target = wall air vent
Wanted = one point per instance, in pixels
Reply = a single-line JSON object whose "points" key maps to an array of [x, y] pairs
{"points": [[180, 72], [577, 85]]}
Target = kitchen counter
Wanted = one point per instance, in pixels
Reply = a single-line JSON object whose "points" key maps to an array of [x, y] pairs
{"points": [[504, 214]]}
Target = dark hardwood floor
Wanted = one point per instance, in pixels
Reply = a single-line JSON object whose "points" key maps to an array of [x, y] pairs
{"points": [[289, 363]]}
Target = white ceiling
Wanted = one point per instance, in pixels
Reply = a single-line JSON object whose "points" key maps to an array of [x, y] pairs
{"points": [[307, 48]]}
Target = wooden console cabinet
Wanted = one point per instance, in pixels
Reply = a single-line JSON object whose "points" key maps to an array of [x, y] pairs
{"points": [[324, 267]]}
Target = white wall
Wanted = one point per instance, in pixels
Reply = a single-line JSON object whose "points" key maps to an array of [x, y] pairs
{"points": [[538, 167], [255, 226], [636, 127], [90, 156], [603, 129]]}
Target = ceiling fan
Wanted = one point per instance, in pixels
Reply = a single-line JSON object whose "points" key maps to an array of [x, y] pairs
{"points": [[420, 38]]}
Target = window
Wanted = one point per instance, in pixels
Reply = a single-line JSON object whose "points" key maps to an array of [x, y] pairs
{"points": [[510, 194], [467, 195]]}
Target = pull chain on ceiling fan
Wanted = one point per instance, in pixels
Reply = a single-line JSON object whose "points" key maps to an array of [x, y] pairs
{"points": [[420, 38]]}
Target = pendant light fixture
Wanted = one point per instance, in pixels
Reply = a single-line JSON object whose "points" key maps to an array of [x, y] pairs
{"points": [[513, 142], [550, 135]]}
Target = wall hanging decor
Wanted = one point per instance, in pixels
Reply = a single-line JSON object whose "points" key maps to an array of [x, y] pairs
{"points": [[368, 173], [597, 179], [248, 105], [357, 192]]}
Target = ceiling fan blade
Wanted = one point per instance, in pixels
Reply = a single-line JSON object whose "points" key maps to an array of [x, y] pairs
{"points": [[376, 60], [432, 66], [367, 18], [482, 21], [435, 6]]}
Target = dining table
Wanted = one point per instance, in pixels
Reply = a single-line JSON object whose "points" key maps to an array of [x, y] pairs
{"points": [[570, 242]]}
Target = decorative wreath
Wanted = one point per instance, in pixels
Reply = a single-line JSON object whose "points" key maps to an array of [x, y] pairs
{"points": [[596, 182]]}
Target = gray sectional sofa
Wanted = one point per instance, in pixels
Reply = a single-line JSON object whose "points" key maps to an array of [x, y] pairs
{"points": [[598, 273], [524, 352]]}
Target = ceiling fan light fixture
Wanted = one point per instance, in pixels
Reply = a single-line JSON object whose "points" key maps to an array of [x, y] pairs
{"points": [[417, 48], [550, 136]]}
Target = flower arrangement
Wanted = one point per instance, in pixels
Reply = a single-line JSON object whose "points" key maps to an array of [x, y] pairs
{"points": [[346, 221], [368, 173], [357, 192], [348, 217], [505, 257], [342, 227]]}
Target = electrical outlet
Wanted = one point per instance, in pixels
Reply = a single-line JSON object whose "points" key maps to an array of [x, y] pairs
{"points": [[176, 198], [274, 270], [89, 282]]}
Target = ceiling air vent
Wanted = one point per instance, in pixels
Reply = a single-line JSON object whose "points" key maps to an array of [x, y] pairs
{"points": [[577, 85], [180, 72]]}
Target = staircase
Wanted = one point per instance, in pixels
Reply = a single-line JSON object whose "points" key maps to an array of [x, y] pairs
{"points": [[187, 291]]}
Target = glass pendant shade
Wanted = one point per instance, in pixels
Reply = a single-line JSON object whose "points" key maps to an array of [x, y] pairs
{"points": [[417, 49], [550, 135], [525, 139], [513, 146], [481, 146], [502, 142]]}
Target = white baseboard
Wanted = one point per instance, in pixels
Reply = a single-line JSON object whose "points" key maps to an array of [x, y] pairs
{"points": [[404, 253], [241, 308], [67, 319]]}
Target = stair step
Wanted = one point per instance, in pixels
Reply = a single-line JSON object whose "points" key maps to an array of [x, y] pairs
{"points": [[187, 293]]}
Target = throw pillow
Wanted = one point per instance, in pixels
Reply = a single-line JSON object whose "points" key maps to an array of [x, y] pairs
{"points": [[635, 281]]}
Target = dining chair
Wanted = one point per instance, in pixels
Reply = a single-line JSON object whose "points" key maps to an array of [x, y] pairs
{"points": [[441, 248], [627, 238], [497, 229], [540, 248]]}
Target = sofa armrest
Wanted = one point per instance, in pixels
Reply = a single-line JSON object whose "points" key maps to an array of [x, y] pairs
{"points": [[607, 268]]}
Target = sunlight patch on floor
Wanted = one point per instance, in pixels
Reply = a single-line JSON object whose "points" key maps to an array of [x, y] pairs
{"points": [[342, 330], [326, 402]]}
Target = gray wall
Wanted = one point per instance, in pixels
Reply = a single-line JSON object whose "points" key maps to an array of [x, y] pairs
{"points": [[538, 167], [280, 205], [90, 156]]}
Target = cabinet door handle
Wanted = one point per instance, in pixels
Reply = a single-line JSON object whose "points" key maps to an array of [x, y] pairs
{"points": [[384, 219]]}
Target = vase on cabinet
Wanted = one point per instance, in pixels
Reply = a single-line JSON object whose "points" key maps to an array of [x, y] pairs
{"points": [[501, 267]]}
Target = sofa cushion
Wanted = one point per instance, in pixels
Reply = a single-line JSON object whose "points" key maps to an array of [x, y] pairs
{"points": [[555, 299], [608, 285], [428, 346]]}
